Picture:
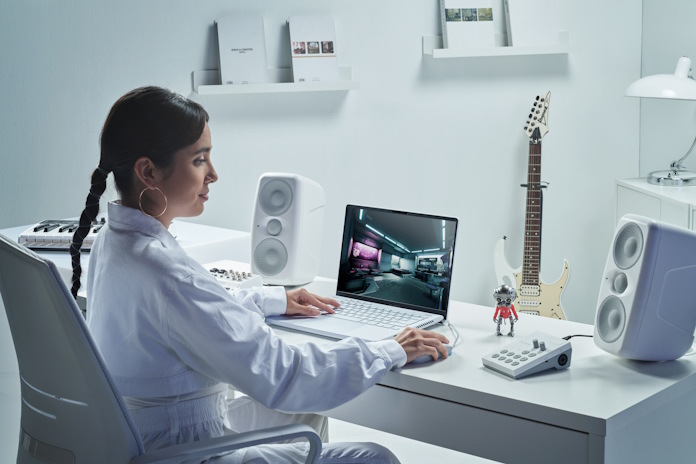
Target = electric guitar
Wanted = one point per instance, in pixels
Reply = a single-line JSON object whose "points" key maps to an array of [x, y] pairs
{"points": [[533, 296]]}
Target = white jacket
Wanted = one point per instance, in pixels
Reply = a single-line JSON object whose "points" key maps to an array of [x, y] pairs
{"points": [[167, 328]]}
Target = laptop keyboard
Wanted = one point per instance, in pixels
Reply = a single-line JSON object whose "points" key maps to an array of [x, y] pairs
{"points": [[372, 314]]}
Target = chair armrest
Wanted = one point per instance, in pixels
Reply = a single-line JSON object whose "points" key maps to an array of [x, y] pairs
{"points": [[178, 453]]}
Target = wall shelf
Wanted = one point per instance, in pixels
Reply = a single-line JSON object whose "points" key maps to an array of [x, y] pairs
{"points": [[207, 82], [432, 46]]}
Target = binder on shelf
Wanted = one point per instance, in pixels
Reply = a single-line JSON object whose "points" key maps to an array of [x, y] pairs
{"points": [[531, 23], [313, 48], [467, 23], [242, 49]]}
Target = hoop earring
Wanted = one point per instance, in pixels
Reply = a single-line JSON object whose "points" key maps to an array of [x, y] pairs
{"points": [[140, 199]]}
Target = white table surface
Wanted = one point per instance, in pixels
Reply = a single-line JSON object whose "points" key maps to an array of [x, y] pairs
{"points": [[595, 392], [601, 409]]}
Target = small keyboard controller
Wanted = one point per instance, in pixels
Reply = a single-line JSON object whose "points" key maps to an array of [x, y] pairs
{"points": [[233, 274], [529, 355]]}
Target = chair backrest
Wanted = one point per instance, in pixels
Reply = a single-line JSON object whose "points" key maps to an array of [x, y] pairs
{"points": [[71, 409]]}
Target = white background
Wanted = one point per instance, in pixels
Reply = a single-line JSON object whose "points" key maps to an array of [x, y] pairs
{"points": [[433, 136]]}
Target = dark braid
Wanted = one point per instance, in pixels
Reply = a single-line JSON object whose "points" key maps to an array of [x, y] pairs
{"points": [[88, 216]]}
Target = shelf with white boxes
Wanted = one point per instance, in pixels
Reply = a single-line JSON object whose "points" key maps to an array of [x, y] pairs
{"points": [[207, 82], [432, 47], [675, 205]]}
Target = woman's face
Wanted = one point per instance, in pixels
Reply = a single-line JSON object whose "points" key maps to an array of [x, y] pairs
{"points": [[187, 185]]}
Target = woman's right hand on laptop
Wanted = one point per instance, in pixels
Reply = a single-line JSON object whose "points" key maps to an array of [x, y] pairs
{"points": [[300, 302], [419, 342]]}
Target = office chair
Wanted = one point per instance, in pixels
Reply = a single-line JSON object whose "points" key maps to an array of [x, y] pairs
{"points": [[72, 411]]}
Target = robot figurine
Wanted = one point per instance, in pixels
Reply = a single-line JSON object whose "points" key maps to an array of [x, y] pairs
{"points": [[504, 297]]}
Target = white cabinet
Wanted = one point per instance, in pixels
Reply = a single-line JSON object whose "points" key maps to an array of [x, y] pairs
{"points": [[675, 205]]}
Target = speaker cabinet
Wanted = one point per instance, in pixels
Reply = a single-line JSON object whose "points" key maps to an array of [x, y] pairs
{"points": [[646, 309], [286, 229]]}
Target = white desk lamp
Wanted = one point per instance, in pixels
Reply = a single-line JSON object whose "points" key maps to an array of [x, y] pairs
{"points": [[678, 86]]}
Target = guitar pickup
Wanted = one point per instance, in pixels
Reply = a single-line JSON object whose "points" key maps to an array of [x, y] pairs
{"points": [[528, 303], [529, 290]]}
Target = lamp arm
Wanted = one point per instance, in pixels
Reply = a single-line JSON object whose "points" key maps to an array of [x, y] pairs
{"points": [[677, 165]]}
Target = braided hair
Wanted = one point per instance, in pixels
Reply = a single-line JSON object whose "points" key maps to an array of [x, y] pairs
{"points": [[149, 122]]}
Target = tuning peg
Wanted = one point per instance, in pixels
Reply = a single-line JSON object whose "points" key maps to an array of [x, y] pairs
{"points": [[538, 98], [525, 127], [542, 99], [534, 103]]}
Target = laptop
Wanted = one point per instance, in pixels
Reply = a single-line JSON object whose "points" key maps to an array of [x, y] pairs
{"points": [[395, 271]]}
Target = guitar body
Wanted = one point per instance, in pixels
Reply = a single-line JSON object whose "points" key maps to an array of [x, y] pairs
{"points": [[533, 296], [539, 300]]}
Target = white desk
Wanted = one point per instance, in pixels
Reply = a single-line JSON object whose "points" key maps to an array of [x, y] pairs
{"points": [[601, 409]]}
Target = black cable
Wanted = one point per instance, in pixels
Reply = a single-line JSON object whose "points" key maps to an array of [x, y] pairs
{"points": [[571, 336]]}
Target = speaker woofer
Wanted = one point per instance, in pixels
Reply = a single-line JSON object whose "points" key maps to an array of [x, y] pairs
{"points": [[611, 319], [275, 197], [270, 256], [628, 246]]}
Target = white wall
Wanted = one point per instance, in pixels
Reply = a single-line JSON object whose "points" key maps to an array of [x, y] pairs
{"points": [[667, 127], [64, 63]]}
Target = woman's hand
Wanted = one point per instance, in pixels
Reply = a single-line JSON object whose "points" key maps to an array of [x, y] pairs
{"points": [[303, 303], [417, 342]]}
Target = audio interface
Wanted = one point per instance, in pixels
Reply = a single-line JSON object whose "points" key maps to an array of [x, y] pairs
{"points": [[529, 355]]}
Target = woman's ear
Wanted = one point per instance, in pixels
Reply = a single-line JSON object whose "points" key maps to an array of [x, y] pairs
{"points": [[146, 171]]}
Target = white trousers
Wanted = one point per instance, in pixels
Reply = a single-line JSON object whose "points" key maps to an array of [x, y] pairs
{"points": [[245, 414]]}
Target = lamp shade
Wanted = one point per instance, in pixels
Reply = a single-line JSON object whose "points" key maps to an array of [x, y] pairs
{"points": [[677, 86]]}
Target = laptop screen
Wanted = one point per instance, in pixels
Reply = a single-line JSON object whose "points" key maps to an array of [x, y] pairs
{"points": [[397, 258]]}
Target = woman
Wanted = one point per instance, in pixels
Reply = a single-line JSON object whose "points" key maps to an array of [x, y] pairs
{"points": [[173, 337]]}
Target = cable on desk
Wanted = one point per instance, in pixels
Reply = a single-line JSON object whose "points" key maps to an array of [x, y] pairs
{"points": [[454, 332], [568, 337]]}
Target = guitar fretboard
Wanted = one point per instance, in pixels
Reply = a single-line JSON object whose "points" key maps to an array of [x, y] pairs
{"points": [[532, 226]]}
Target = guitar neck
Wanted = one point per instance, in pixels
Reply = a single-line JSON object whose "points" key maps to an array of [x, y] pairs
{"points": [[532, 226]]}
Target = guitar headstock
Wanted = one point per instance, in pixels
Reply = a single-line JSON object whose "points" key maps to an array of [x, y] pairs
{"points": [[538, 123]]}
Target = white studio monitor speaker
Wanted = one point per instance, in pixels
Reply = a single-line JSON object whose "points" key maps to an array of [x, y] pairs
{"points": [[286, 229], [647, 307]]}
